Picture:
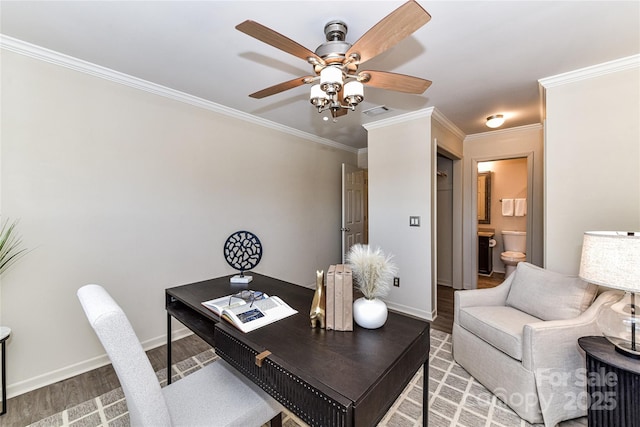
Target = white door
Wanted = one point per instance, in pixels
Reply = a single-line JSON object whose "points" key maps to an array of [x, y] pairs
{"points": [[353, 214]]}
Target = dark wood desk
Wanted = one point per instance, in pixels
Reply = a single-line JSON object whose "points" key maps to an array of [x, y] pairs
{"points": [[327, 378]]}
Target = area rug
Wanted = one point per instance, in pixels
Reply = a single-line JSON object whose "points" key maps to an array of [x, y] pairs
{"points": [[456, 399]]}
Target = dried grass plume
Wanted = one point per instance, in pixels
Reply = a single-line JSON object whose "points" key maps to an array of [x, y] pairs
{"points": [[10, 243], [372, 270]]}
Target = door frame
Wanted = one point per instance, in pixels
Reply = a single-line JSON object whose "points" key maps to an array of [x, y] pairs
{"points": [[474, 206], [363, 202]]}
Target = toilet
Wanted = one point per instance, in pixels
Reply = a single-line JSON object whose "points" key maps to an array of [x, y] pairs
{"points": [[515, 245]]}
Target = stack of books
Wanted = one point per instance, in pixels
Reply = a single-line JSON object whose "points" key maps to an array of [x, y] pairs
{"points": [[339, 303]]}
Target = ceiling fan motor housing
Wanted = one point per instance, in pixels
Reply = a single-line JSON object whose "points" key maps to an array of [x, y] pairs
{"points": [[335, 47], [335, 30]]}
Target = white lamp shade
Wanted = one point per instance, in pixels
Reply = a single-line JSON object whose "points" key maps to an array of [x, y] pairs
{"points": [[611, 259], [353, 88], [317, 93], [331, 75]]}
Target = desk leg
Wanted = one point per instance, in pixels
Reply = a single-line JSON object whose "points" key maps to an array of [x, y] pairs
{"points": [[425, 394], [4, 381], [168, 348], [276, 421]]}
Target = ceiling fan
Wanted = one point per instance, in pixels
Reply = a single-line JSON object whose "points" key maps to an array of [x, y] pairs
{"points": [[338, 85]]}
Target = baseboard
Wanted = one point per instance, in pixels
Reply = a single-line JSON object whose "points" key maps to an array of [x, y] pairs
{"points": [[61, 374], [411, 311]]}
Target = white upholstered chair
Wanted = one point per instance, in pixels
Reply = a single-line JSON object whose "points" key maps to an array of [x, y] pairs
{"points": [[213, 396], [520, 340]]}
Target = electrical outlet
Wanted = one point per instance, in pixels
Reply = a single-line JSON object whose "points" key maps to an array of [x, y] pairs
{"points": [[396, 282]]}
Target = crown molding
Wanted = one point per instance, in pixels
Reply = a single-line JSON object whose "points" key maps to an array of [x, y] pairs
{"points": [[60, 59], [448, 124], [432, 112], [525, 128], [402, 118], [630, 62]]}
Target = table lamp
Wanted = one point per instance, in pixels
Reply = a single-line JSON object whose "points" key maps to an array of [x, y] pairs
{"points": [[612, 259]]}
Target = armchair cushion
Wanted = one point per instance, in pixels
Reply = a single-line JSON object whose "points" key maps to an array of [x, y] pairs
{"points": [[500, 326], [548, 295]]}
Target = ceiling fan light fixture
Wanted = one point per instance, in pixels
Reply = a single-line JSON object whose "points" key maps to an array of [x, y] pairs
{"points": [[495, 121], [336, 61], [331, 80], [353, 93], [318, 97]]}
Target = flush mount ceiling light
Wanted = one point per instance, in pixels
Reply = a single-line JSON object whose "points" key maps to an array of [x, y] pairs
{"points": [[495, 121], [337, 85]]}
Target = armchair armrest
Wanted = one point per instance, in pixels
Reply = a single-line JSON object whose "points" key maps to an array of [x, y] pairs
{"points": [[547, 344], [551, 352], [481, 297]]}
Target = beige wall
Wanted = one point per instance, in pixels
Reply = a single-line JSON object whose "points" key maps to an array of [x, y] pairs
{"points": [[402, 183], [138, 192], [401, 159], [592, 157]]}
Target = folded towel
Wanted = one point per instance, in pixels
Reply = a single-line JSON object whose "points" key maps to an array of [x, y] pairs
{"points": [[507, 207], [520, 207]]}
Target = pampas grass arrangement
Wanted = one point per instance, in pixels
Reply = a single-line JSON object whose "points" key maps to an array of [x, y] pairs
{"points": [[10, 243], [372, 270]]}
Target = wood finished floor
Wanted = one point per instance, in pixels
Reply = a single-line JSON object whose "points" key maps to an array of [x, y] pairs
{"points": [[444, 321], [41, 403]]}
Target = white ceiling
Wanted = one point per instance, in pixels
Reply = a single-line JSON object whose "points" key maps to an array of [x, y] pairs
{"points": [[484, 57]]}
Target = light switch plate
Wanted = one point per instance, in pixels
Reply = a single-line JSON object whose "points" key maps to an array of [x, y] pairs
{"points": [[414, 221]]}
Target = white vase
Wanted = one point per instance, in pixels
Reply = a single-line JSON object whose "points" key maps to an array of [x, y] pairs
{"points": [[369, 313]]}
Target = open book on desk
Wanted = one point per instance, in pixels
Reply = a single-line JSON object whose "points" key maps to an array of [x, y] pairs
{"points": [[250, 315]]}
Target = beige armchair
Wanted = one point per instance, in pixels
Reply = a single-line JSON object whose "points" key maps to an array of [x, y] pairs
{"points": [[519, 340]]}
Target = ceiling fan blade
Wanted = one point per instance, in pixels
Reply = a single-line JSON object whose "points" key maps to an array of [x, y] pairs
{"points": [[393, 81], [396, 26], [281, 87], [277, 40]]}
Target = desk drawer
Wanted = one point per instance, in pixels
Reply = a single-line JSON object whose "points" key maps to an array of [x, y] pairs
{"points": [[313, 403]]}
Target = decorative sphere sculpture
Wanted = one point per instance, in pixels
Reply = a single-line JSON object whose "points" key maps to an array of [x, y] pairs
{"points": [[243, 251]]}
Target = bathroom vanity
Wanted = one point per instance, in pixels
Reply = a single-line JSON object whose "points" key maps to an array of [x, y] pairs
{"points": [[485, 250]]}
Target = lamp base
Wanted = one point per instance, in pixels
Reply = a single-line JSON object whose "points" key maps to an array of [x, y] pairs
{"points": [[618, 322], [628, 352]]}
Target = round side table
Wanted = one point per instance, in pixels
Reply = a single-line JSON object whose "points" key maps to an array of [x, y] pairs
{"points": [[5, 332], [613, 384]]}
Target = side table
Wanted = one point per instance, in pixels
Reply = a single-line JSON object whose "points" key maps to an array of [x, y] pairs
{"points": [[613, 385], [5, 332]]}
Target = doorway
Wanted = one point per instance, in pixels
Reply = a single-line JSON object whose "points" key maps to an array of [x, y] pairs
{"points": [[444, 212], [448, 224], [508, 185], [355, 224]]}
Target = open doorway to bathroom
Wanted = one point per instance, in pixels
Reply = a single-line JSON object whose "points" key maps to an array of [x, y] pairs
{"points": [[502, 206]]}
